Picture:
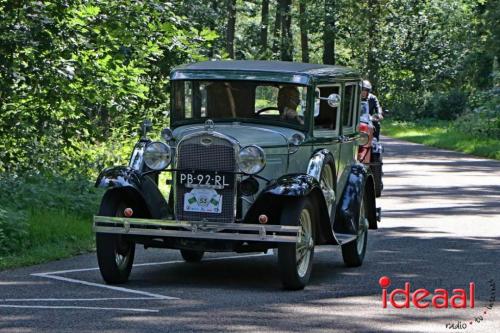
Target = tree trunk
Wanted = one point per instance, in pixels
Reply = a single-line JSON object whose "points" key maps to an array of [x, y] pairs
{"points": [[213, 25], [373, 41], [231, 23], [304, 39], [277, 28], [329, 33], [264, 24], [286, 31]]}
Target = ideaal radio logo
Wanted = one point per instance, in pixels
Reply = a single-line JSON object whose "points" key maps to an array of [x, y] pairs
{"points": [[439, 298]]}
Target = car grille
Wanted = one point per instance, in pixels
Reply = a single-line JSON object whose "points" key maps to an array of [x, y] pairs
{"points": [[193, 155]]}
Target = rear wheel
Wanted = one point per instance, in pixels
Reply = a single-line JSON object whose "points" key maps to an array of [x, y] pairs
{"points": [[191, 255], [295, 260], [115, 254], [353, 252], [376, 167]]}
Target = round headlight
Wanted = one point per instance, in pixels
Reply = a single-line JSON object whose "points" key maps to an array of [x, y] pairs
{"points": [[252, 160], [157, 155]]}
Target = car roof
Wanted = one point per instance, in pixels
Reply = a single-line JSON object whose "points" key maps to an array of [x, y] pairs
{"points": [[280, 71]]}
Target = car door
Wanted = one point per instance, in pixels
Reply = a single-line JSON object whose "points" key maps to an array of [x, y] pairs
{"points": [[327, 124], [348, 146]]}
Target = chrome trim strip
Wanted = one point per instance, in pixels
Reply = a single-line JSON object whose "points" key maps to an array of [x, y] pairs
{"points": [[196, 229]]}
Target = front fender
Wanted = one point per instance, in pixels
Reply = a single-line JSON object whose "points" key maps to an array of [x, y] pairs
{"points": [[359, 181], [119, 176], [126, 182], [294, 185], [275, 197]]}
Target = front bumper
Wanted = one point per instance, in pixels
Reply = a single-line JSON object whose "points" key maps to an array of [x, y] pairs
{"points": [[196, 229]]}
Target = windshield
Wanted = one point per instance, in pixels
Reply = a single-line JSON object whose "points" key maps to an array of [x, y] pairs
{"points": [[239, 100]]}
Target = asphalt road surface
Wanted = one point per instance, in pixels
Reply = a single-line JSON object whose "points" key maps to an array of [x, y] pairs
{"points": [[440, 229]]}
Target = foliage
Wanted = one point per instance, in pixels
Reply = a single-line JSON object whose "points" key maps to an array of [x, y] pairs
{"points": [[48, 235], [31, 207], [13, 230], [82, 71]]}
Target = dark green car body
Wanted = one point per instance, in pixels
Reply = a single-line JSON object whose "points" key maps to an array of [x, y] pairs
{"points": [[309, 162]]}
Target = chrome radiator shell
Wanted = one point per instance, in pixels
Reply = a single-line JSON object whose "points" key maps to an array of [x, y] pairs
{"points": [[207, 151]]}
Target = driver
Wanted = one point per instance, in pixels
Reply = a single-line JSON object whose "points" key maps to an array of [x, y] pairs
{"points": [[374, 108], [288, 101]]}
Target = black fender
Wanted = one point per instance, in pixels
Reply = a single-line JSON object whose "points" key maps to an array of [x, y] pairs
{"points": [[359, 180], [287, 190], [129, 184]]}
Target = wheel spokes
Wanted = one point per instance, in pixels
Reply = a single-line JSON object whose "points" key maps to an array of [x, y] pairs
{"points": [[304, 244]]}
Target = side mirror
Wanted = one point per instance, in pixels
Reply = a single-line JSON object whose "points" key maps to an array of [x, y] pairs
{"points": [[333, 100]]}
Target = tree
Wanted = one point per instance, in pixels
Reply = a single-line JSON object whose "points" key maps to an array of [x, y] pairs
{"points": [[329, 33], [264, 25], [304, 38], [372, 61], [230, 30], [277, 28], [286, 30]]}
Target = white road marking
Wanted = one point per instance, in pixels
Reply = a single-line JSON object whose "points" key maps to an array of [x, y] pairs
{"points": [[74, 307], [77, 299], [99, 285], [55, 275]]}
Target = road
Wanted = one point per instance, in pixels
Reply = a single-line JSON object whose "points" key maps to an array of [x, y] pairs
{"points": [[440, 229]]}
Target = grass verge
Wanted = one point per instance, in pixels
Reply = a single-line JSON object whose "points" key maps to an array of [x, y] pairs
{"points": [[442, 134], [51, 235]]}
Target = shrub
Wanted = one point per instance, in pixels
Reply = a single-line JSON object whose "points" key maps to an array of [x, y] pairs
{"points": [[13, 230], [484, 119], [75, 195], [445, 106]]}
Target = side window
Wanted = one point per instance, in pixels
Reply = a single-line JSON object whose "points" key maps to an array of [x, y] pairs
{"points": [[325, 116], [349, 107]]}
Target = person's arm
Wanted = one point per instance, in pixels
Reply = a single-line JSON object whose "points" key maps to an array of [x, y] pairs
{"points": [[378, 108]]}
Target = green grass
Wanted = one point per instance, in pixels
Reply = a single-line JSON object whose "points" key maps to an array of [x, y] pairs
{"points": [[51, 235], [442, 134]]}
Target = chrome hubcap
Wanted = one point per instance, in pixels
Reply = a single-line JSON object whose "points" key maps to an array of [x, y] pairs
{"points": [[305, 244], [122, 250], [362, 228], [326, 184]]}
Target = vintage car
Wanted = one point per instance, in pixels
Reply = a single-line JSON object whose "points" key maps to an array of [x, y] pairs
{"points": [[262, 155]]}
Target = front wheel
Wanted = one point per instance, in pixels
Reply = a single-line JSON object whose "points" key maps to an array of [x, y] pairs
{"points": [[295, 260], [353, 252], [115, 254]]}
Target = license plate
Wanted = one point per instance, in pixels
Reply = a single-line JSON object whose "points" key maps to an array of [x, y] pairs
{"points": [[205, 180], [203, 200]]}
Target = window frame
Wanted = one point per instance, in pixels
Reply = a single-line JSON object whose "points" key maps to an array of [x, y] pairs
{"points": [[353, 113], [326, 133]]}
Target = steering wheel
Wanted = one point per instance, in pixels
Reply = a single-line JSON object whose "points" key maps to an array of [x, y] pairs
{"points": [[268, 108]]}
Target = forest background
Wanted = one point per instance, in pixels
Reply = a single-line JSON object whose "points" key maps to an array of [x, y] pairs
{"points": [[77, 78]]}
